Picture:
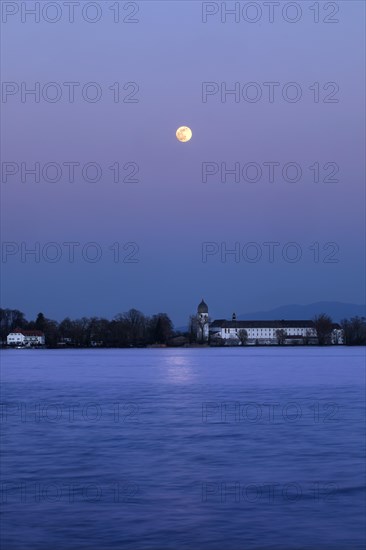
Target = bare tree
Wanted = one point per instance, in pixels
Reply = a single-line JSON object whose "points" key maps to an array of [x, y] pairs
{"points": [[192, 328], [161, 328], [9, 320], [323, 326], [135, 323], [281, 336], [243, 336], [354, 331]]}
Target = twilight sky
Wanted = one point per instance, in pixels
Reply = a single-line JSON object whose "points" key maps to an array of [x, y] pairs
{"points": [[169, 212]]}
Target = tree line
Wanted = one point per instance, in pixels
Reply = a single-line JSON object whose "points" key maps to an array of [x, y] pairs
{"points": [[134, 329], [354, 330]]}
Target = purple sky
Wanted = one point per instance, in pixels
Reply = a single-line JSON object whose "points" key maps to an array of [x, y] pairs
{"points": [[170, 212]]}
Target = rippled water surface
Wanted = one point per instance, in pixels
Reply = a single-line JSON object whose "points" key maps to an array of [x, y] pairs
{"points": [[205, 449]]}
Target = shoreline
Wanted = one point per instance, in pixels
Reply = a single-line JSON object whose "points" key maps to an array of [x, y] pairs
{"points": [[203, 347]]}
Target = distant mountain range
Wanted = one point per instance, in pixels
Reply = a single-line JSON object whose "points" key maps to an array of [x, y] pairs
{"points": [[336, 310]]}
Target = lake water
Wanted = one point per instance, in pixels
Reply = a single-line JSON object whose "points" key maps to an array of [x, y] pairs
{"points": [[230, 449]]}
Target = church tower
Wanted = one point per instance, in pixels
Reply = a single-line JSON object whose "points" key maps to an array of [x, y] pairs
{"points": [[202, 322]]}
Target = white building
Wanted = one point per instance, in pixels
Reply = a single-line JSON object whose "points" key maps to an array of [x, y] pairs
{"points": [[260, 332], [26, 338]]}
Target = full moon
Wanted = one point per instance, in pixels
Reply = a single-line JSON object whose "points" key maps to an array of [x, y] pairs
{"points": [[183, 134]]}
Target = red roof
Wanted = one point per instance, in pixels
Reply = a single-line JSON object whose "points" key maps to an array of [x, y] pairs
{"points": [[27, 332]]}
